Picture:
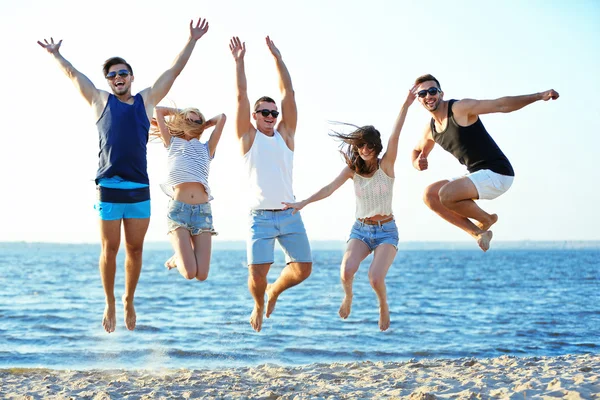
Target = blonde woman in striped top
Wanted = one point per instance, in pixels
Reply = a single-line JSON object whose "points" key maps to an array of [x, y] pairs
{"points": [[189, 217]]}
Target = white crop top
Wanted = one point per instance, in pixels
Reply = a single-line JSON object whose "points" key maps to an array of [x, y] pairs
{"points": [[269, 165], [188, 161], [373, 194]]}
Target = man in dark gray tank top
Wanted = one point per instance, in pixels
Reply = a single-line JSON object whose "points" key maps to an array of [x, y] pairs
{"points": [[456, 127], [124, 197]]}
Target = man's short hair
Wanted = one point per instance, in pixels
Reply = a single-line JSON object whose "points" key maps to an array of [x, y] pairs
{"points": [[427, 77], [266, 99], [114, 61]]}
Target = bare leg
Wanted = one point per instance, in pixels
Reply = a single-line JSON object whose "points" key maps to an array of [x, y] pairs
{"points": [[110, 236], [356, 252], [135, 231], [257, 284], [183, 259], [444, 194], [202, 252], [291, 275], [382, 260]]}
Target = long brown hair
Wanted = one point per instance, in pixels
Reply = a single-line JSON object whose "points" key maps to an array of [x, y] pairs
{"points": [[364, 135]]}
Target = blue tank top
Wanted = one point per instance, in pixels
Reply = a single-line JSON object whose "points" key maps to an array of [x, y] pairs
{"points": [[123, 132]]}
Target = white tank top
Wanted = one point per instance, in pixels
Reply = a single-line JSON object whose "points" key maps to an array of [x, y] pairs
{"points": [[373, 194], [269, 165]]}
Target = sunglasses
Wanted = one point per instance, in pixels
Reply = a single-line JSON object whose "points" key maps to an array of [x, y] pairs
{"points": [[265, 113], [196, 121], [370, 146], [123, 73], [432, 92]]}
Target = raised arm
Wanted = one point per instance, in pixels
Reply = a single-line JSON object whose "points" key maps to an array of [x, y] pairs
{"points": [[422, 150], [161, 87], [218, 122], [473, 108], [289, 112], [243, 126], [391, 152], [159, 116], [87, 89], [324, 192]]}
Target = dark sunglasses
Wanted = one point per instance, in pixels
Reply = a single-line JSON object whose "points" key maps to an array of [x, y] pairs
{"points": [[123, 73], [370, 146], [265, 113], [197, 121], [432, 92]]}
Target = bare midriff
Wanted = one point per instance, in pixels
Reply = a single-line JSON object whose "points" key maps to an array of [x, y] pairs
{"points": [[190, 193], [377, 217]]}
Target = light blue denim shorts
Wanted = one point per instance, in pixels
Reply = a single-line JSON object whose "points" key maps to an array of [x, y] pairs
{"points": [[375, 235], [196, 218], [266, 226]]}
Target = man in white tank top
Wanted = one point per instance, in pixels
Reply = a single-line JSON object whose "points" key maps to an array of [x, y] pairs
{"points": [[268, 151]]}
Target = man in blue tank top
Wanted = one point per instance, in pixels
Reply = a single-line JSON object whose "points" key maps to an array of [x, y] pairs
{"points": [[268, 151], [123, 121], [456, 127]]}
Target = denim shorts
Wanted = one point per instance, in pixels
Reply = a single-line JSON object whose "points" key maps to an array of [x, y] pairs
{"points": [[266, 226], [112, 211], [374, 235], [196, 218]]}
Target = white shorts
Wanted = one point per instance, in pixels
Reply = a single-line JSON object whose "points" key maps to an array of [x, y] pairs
{"points": [[488, 183]]}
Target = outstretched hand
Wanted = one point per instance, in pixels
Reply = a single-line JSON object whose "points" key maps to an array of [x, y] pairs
{"points": [[272, 48], [296, 206], [238, 49], [411, 96], [199, 30], [51, 47], [547, 95]]}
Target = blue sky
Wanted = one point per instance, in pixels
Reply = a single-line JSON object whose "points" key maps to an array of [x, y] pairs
{"points": [[350, 61]]}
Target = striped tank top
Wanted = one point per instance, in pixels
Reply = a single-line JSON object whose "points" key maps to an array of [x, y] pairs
{"points": [[187, 161]]}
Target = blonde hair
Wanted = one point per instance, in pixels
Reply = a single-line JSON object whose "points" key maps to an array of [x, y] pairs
{"points": [[179, 124]]}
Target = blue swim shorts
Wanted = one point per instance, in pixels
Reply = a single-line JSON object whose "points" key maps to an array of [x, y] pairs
{"points": [[266, 226], [375, 235], [196, 218], [116, 201]]}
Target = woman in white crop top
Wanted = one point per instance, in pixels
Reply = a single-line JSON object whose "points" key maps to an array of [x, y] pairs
{"points": [[189, 216], [374, 228]]}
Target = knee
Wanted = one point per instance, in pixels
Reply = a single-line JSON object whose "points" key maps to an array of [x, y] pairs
{"points": [[304, 270], [202, 274], [376, 280], [349, 268], [431, 196], [134, 250], [109, 250]]}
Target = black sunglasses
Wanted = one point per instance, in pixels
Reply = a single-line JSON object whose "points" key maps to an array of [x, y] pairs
{"points": [[123, 73], [370, 146], [265, 113], [432, 92], [197, 121]]}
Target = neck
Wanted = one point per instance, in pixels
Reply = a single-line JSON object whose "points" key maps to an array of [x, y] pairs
{"points": [[268, 131], [124, 97], [442, 111]]}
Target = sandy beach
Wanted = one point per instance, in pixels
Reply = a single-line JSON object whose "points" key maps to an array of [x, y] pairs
{"points": [[506, 377]]}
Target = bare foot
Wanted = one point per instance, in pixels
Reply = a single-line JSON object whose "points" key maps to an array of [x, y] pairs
{"points": [[384, 317], [130, 317], [346, 307], [484, 239], [256, 318], [171, 262], [109, 321], [271, 300], [485, 225]]}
